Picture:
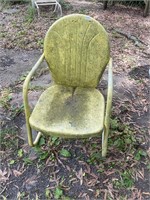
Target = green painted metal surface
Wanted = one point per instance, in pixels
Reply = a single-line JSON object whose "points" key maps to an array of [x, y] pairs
{"points": [[65, 112], [76, 48]]}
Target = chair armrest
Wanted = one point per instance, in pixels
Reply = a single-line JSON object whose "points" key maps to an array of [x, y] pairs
{"points": [[25, 98], [109, 94]]}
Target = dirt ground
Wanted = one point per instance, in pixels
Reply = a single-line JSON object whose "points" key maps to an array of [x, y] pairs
{"points": [[74, 169]]}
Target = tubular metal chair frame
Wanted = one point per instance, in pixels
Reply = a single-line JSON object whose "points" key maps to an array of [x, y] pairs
{"points": [[107, 112], [47, 3]]}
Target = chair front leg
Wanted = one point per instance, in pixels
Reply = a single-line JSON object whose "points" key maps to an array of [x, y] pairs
{"points": [[108, 111], [26, 104]]}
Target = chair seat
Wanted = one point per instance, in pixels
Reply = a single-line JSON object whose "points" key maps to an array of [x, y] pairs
{"points": [[69, 112]]}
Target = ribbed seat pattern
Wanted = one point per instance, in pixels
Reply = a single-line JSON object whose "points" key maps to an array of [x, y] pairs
{"points": [[77, 51]]}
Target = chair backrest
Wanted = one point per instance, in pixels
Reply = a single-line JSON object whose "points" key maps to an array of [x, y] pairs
{"points": [[76, 48]]}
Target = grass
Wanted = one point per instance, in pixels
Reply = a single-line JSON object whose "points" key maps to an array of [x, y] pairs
{"points": [[66, 5], [5, 98], [30, 14], [125, 181], [8, 138]]}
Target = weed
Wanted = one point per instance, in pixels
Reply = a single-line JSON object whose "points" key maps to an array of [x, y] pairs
{"points": [[27, 161], [15, 111], [124, 140], [95, 158], [5, 4], [8, 138], [65, 153], [5, 98], [83, 11], [12, 162], [126, 180], [20, 153], [66, 5], [140, 154], [21, 195], [21, 33], [30, 14], [54, 141], [101, 169], [47, 193], [148, 166], [40, 43], [58, 193], [114, 124]]}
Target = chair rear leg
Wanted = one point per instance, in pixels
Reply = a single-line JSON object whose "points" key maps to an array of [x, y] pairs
{"points": [[105, 140], [38, 10]]}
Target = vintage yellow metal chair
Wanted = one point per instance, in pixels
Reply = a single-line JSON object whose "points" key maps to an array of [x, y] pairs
{"points": [[76, 48]]}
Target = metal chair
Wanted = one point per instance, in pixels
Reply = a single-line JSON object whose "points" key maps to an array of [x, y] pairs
{"points": [[76, 48], [54, 3]]}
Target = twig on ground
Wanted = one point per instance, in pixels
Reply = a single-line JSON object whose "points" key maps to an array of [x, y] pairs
{"points": [[135, 39]]}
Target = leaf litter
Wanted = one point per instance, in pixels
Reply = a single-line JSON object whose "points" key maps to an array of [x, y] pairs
{"points": [[81, 172]]}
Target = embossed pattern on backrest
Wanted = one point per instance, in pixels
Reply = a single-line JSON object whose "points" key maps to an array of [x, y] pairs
{"points": [[76, 48]]}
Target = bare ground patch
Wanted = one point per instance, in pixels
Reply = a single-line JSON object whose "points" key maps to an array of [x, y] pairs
{"points": [[74, 169]]}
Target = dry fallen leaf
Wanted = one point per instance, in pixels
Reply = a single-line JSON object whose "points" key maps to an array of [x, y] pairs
{"points": [[16, 173], [3, 177], [80, 176]]}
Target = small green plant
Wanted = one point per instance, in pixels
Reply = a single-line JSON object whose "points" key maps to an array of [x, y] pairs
{"points": [[40, 43], [54, 141], [30, 14], [140, 154], [58, 193], [114, 124], [15, 111], [95, 158], [4, 4], [5, 98], [66, 5], [123, 140], [27, 161], [20, 153], [126, 180], [12, 162], [8, 138], [83, 11], [65, 153], [47, 193]]}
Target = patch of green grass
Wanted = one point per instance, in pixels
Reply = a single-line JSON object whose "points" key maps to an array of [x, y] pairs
{"points": [[40, 43], [21, 33], [66, 5], [114, 124], [30, 14], [83, 11], [27, 161], [58, 193], [140, 154], [5, 98], [5, 4], [122, 140], [148, 166], [48, 194], [15, 111], [95, 158], [126, 180], [8, 138]]}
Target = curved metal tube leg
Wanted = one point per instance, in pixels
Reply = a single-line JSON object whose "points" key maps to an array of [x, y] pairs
{"points": [[105, 141], [37, 138], [108, 111], [26, 104]]}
